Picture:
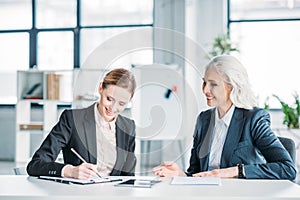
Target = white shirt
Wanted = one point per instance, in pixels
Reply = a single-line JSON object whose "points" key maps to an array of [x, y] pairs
{"points": [[106, 144], [220, 133]]}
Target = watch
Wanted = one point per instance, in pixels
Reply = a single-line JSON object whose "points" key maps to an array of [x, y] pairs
{"points": [[241, 170]]}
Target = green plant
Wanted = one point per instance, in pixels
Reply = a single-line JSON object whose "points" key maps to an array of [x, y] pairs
{"points": [[291, 114], [266, 103], [222, 45]]}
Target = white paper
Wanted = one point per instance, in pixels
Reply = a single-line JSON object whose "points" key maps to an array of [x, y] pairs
{"points": [[79, 181], [182, 180]]}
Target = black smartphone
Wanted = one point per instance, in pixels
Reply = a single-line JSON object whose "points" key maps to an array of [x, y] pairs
{"points": [[136, 183]]}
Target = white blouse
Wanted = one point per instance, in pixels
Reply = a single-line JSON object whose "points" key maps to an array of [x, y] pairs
{"points": [[106, 144], [220, 133]]}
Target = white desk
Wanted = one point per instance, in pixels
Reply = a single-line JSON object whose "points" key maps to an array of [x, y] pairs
{"points": [[24, 187]]}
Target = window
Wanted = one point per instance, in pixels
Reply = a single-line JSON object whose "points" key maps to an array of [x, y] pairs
{"points": [[94, 38], [61, 34], [268, 36], [56, 34], [264, 9], [103, 20], [55, 50], [56, 13], [14, 57], [122, 12], [15, 14]]}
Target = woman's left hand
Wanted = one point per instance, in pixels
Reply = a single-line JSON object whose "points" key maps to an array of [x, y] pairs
{"points": [[230, 172]]}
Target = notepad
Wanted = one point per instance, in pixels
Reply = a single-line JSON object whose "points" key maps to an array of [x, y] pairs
{"points": [[80, 181], [181, 180]]}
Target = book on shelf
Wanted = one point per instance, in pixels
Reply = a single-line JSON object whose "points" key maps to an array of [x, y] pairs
{"points": [[53, 83], [31, 126]]}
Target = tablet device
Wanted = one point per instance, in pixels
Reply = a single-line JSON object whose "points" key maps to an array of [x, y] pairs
{"points": [[136, 183]]}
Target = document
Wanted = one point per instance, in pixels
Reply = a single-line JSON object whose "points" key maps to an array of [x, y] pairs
{"points": [[140, 181], [136, 183], [183, 180], [80, 181]]}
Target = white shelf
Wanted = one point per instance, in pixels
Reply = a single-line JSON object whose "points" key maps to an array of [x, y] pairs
{"points": [[26, 81], [45, 85]]}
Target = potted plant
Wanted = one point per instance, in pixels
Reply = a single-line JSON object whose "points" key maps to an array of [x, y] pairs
{"points": [[222, 45], [291, 114]]}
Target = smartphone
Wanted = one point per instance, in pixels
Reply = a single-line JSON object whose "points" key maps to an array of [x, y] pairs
{"points": [[136, 183]]}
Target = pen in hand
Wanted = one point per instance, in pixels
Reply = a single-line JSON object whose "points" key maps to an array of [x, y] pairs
{"points": [[81, 158]]}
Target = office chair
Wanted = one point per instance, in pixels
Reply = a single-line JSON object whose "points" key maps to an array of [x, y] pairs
{"points": [[290, 146], [20, 171]]}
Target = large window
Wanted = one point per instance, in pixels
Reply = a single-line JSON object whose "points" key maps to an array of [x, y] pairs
{"points": [[267, 33], [116, 12], [56, 13], [56, 34], [14, 57], [60, 34]]}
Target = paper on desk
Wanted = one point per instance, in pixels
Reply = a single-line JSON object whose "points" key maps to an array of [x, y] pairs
{"points": [[78, 181], [150, 178], [182, 180]]}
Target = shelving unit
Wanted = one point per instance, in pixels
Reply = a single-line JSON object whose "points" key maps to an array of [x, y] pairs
{"points": [[86, 82], [48, 89]]}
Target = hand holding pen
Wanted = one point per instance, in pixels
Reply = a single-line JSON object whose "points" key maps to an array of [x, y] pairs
{"points": [[83, 171]]}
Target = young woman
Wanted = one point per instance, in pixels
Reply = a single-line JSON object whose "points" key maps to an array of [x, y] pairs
{"points": [[234, 138], [102, 137]]}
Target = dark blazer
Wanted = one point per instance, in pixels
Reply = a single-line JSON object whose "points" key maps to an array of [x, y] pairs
{"points": [[249, 141], [77, 129]]}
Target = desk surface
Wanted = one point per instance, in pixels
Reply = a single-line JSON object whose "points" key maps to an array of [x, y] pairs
{"points": [[24, 187]]}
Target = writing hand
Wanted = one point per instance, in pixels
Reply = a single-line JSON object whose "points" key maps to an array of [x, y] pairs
{"points": [[83, 171]]}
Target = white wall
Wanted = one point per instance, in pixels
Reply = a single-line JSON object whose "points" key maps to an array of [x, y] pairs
{"points": [[195, 23], [8, 87], [204, 20]]}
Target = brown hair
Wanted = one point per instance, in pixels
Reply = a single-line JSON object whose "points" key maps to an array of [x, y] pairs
{"points": [[120, 77]]}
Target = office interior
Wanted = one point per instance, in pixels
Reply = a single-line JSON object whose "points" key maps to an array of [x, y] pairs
{"points": [[75, 37]]}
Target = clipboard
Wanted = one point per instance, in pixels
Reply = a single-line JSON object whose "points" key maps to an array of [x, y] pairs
{"points": [[79, 181]]}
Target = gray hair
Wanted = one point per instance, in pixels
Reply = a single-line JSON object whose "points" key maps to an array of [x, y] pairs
{"points": [[235, 75]]}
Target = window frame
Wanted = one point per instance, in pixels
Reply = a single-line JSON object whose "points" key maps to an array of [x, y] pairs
{"points": [[232, 21], [33, 33]]}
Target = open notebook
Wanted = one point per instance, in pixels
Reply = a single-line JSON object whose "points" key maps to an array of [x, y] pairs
{"points": [[79, 181]]}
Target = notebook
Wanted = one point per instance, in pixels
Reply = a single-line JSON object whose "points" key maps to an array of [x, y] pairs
{"points": [[80, 181]]}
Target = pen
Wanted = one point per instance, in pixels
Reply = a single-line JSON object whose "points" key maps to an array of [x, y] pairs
{"points": [[81, 158], [62, 181]]}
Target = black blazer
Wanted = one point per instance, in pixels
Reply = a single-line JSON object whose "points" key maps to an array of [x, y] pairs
{"points": [[249, 141], [76, 129]]}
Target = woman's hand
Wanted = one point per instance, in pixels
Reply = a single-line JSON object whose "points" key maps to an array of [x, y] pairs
{"points": [[168, 169], [230, 172], [83, 171]]}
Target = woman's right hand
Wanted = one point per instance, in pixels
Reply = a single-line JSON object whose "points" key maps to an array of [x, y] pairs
{"points": [[168, 169], [83, 171]]}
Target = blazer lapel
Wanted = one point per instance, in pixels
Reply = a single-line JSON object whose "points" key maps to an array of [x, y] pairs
{"points": [[121, 150], [206, 140], [90, 134], [232, 138]]}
